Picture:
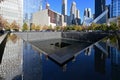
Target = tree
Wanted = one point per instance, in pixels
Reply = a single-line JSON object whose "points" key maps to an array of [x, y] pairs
{"points": [[94, 26], [1, 22], [14, 26], [25, 27], [118, 22], [57, 28], [64, 28], [37, 28], [6, 25], [71, 27], [77, 28], [113, 26], [103, 27], [33, 27], [50, 27], [45, 27]]}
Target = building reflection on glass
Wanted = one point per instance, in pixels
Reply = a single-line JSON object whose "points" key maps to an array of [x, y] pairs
{"points": [[11, 65]]}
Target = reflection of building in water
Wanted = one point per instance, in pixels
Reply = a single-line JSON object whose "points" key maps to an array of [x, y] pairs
{"points": [[32, 63], [115, 60], [115, 56], [11, 65], [99, 60], [64, 67], [88, 51]]}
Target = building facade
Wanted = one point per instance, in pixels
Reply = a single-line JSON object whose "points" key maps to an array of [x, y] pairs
{"points": [[73, 11], [12, 10], [48, 17], [115, 8], [99, 7]]}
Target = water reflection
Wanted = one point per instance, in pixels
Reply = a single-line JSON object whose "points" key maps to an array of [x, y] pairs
{"points": [[13, 38], [21, 61], [88, 51], [88, 64], [115, 60], [32, 65], [99, 58], [11, 64]]}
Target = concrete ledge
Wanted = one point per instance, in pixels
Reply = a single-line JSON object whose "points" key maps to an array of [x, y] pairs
{"points": [[84, 36], [80, 36], [31, 36]]}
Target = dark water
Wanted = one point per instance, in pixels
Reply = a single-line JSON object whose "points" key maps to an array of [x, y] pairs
{"points": [[20, 61]]}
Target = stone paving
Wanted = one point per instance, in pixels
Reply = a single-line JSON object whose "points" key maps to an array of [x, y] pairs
{"points": [[60, 55]]}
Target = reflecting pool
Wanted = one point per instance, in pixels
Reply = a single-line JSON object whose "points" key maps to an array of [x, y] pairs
{"points": [[22, 61]]}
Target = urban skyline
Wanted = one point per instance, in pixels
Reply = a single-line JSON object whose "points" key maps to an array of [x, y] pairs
{"points": [[81, 5]]}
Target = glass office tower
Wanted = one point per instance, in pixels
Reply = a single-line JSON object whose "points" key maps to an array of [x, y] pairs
{"points": [[115, 8], [99, 7]]}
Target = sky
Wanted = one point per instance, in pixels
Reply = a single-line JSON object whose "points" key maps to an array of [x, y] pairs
{"points": [[56, 5]]}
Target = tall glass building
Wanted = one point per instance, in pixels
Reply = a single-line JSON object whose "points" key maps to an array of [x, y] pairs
{"points": [[99, 7], [115, 8], [64, 9], [12, 10]]}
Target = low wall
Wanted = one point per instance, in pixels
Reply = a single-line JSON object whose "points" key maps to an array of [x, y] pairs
{"points": [[84, 36], [30, 36]]}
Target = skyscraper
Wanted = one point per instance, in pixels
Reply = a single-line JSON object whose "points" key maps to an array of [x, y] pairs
{"points": [[87, 13], [74, 14], [73, 11], [78, 17], [77, 14], [115, 8], [12, 10], [64, 9], [99, 7], [88, 18]]}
